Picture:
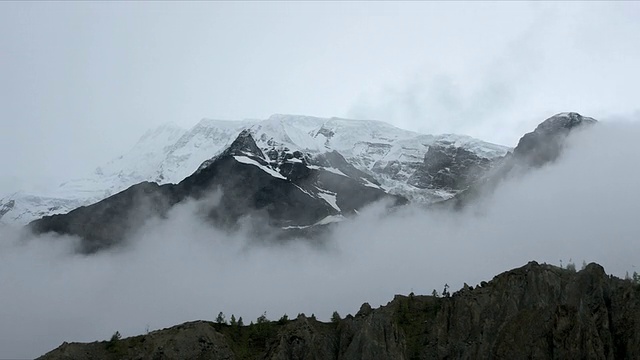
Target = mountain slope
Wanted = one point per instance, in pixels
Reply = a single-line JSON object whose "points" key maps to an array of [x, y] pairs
{"points": [[533, 312], [288, 192], [535, 149], [299, 191], [390, 156]]}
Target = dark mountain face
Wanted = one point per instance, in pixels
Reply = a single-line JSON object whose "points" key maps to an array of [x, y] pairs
{"points": [[296, 192], [533, 312], [545, 143], [535, 149], [287, 191], [105, 223], [449, 167]]}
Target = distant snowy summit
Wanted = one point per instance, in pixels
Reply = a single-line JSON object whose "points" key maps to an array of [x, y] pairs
{"points": [[422, 168]]}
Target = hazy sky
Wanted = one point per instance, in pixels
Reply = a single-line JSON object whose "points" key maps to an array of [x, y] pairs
{"points": [[81, 81]]}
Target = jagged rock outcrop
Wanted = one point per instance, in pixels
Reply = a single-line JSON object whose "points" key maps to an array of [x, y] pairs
{"points": [[541, 312], [533, 312]]}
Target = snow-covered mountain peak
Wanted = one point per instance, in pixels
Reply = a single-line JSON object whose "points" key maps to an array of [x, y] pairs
{"points": [[169, 154]]}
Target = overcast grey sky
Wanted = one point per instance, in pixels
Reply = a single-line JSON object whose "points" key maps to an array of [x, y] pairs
{"points": [[80, 81]]}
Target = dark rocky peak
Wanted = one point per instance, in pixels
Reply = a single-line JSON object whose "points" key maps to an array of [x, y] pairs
{"points": [[365, 309], [563, 121], [545, 143], [282, 189], [244, 145], [535, 149]]}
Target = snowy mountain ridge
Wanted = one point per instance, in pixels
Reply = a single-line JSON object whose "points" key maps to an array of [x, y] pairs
{"points": [[279, 195], [169, 153]]}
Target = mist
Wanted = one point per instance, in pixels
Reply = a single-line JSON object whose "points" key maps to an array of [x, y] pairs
{"points": [[584, 207]]}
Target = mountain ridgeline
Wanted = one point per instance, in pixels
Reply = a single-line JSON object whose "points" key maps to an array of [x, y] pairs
{"points": [[299, 192], [169, 154], [284, 188], [537, 311]]}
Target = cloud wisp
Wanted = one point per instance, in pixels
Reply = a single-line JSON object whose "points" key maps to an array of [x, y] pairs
{"points": [[583, 207]]}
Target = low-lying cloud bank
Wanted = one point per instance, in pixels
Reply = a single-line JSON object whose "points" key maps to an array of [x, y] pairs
{"points": [[584, 207]]}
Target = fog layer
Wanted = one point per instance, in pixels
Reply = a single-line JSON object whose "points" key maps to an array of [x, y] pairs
{"points": [[583, 207]]}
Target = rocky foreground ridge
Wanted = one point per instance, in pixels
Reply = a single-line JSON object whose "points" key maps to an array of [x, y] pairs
{"points": [[533, 312]]}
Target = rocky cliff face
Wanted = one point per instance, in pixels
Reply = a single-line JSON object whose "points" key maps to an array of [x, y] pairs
{"points": [[449, 168], [533, 312], [540, 312]]}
